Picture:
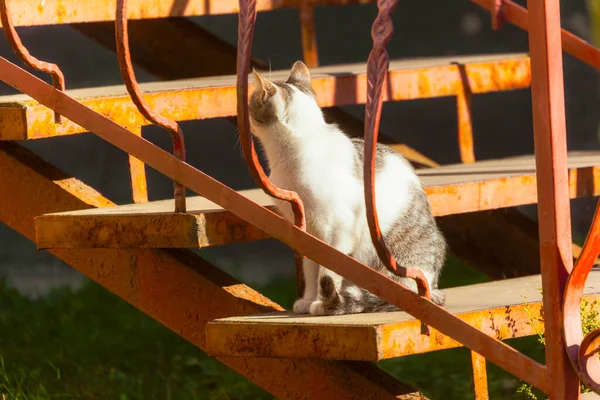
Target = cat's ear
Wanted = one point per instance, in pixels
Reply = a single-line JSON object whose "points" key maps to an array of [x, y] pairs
{"points": [[299, 72], [267, 88]]}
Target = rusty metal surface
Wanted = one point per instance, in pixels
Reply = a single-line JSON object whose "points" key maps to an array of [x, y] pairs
{"points": [[52, 12], [58, 78], [22, 118], [494, 350], [377, 69], [480, 385], [137, 172], [246, 21], [463, 113], [122, 44], [550, 141], [128, 225], [179, 289], [572, 44], [503, 309], [150, 225]]}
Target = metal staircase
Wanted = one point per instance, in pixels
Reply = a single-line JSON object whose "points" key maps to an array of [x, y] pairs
{"points": [[138, 251]]}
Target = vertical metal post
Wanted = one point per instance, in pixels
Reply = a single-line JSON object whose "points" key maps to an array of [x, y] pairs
{"points": [[307, 29], [553, 197], [480, 384], [137, 172], [465, 127]]}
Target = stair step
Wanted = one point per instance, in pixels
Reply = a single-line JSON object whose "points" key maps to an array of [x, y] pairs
{"points": [[452, 189], [22, 118], [75, 11], [590, 396], [497, 308], [151, 225]]}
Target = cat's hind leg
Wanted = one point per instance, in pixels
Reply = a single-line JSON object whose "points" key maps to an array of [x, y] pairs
{"points": [[311, 287], [328, 300]]}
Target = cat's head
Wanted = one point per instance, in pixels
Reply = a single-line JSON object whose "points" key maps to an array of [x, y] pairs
{"points": [[286, 102]]}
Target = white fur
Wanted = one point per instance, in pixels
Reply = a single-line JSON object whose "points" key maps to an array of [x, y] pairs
{"points": [[322, 173]]}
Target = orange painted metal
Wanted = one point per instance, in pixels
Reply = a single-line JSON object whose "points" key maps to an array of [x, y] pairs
{"points": [[554, 218], [178, 288], [376, 337], [122, 40], [58, 79], [28, 120], [480, 385], [377, 69], [465, 125], [572, 44], [307, 31], [137, 172], [492, 194], [54, 12], [246, 21], [429, 313]]}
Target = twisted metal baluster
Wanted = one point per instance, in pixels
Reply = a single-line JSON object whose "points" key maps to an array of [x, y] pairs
{"points": [[246, 21], [497, 14], [583, 351], [123, 53], [58, 79], [377, 68]]}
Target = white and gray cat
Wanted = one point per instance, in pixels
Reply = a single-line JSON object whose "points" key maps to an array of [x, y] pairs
{"points": [[325, 167]]}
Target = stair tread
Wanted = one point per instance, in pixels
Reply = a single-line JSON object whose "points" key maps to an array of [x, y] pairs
{"points": [[76, 11], [451, 189], [497, 308], [23, 118]]}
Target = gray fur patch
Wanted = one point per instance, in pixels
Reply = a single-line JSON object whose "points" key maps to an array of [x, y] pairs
{"points": [[414, 239], [328, 295], [262, 112], [303, 86], [381, 151]]}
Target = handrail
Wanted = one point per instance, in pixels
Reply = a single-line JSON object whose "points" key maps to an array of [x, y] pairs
{"points": [[124, 55], [246, 21], [377, 69], [58, 78]]}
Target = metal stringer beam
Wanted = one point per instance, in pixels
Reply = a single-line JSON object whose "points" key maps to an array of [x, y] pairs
{"points": [[177, 288]]}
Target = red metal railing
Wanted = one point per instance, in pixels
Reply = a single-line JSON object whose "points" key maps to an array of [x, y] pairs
{"points": [[558, 378], [124, 55], [377, 69]]}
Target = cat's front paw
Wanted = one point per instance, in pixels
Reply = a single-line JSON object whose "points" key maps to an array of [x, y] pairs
{"points": [[317, 308], [302, 306]]}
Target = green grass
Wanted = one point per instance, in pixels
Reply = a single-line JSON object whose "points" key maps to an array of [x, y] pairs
{"points": [[89, 344]]}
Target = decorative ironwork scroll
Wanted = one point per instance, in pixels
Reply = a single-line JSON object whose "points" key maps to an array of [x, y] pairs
{"points": [[58, 79], [377, 69], [246, 22], [124, 55]]}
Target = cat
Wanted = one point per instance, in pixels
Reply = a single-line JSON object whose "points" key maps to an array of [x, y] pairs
{"points": [[325, 167]]}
